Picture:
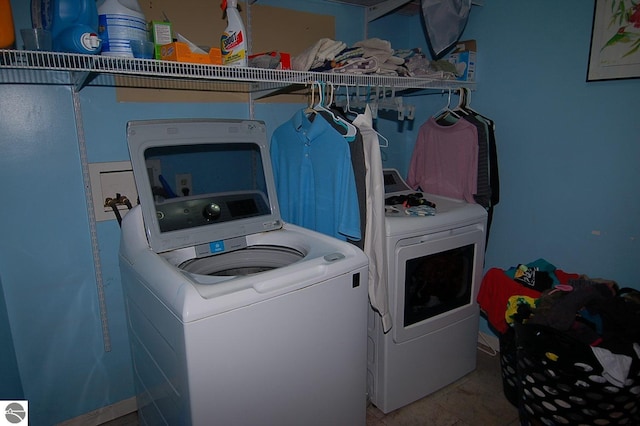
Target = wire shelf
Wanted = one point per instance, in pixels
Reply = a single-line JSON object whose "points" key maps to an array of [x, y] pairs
{"points": [[31, 67]]}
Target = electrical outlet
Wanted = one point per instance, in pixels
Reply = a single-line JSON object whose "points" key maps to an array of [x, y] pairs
{"points": [[184, 185], [107, 181], [154, 170]]}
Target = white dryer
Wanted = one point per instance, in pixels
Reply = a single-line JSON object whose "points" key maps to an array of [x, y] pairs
{"points": [[435, 265], [235, 318]]}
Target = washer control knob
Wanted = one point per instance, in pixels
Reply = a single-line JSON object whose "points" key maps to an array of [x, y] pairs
{"points": [[211, 211]]}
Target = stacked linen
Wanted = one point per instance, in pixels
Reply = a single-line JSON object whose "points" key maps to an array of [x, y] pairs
{"points": [[417, 65], [370, 56], [364, 57], [383, 53], [316, 55]]}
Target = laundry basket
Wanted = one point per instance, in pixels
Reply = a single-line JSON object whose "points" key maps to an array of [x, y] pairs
{"points": [[561, 382], [509, 365]]}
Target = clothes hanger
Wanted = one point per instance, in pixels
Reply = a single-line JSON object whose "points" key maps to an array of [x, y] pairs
{"points": [[348, 105], [355, 100], [348, 100], [446, 112], [462, 100], [350, 130], [467, 104], [309, 111], [320, 106], [467, 107], [386, 141], [462, 107]]}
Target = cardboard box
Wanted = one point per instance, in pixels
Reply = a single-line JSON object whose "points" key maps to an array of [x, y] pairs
{"points": [[180, 52], [285, 59], [464, 58], [215, 54], [161, 34]]}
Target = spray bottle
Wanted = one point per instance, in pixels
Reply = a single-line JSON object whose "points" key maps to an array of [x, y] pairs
{"points": [[233, 42]]}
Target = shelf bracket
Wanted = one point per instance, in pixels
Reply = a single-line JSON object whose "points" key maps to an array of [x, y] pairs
{"points": [[80, 79], [381, 9]]}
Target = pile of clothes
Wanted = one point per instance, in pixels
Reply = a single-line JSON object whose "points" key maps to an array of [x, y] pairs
{"points": [[593, 312], [371, 56]]}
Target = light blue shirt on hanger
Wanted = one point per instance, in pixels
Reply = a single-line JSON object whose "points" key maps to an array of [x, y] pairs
{"points": [[314, 177]]}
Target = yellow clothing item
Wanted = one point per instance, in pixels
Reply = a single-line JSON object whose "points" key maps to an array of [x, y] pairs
{"points": [[514, 302]]}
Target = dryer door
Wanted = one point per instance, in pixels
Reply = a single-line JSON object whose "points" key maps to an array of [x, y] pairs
{"points": [[437, 277]]}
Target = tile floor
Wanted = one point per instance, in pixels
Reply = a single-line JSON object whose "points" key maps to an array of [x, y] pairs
{"points": [[476, 399]]}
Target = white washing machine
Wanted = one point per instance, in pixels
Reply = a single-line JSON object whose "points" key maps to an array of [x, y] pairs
{"points": [[435, 266], [235, 318]]}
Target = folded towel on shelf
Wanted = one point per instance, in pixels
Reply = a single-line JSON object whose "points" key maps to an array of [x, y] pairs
{"points": [[388, 62], [364, 57], [317, 54], [389, 68], [329, 50], [348, 53], [357, 66], [374, 45]]}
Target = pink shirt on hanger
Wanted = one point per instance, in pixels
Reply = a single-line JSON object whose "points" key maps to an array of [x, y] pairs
{"points": [[445, 160]]}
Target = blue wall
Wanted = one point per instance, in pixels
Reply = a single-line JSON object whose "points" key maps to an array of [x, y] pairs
{"points": [[568, 149], [11, 384], [568, 152]]}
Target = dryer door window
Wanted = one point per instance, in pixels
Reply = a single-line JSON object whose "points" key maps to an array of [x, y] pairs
{"points": [[436, 280], [437, 283]]}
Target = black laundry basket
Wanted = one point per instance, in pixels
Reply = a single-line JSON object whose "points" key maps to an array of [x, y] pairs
{"points": [[560, 382], [509, 366]]}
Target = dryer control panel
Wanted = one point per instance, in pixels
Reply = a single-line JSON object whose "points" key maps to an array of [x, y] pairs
{"points": [[393, 183], [401, 200]]}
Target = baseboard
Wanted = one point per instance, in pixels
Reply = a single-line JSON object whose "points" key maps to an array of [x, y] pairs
{"points": [[104, 414], [488, 341]]}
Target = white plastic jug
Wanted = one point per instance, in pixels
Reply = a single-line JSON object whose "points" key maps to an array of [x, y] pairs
{"points": [[118, 22]]}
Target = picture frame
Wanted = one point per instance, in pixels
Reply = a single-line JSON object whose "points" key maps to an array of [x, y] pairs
{"points": [[615, 41]]}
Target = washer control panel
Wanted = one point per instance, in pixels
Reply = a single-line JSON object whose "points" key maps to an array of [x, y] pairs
{"points": [[187, 212]]}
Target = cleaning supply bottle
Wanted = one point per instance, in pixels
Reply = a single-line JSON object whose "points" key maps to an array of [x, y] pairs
{"points": [[233, 42], [120, 21], [7, 32], [73, 25]]}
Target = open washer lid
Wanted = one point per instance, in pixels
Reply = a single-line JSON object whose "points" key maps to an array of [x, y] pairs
{"points": [[202, 181]]}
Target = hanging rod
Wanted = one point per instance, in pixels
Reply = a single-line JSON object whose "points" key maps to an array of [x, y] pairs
{"points": [[382, 98]]}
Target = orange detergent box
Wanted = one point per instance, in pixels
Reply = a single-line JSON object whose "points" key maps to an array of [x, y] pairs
{"points": [[180, 52]]}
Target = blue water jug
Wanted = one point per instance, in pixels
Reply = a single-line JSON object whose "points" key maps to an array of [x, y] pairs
{"points": [[73, 25]]}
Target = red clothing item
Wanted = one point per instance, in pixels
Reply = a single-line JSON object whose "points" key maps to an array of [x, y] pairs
{"points": [[496, 289]]}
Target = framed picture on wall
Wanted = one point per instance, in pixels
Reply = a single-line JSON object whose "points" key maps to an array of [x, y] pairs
{"points": [[615, 40]]}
